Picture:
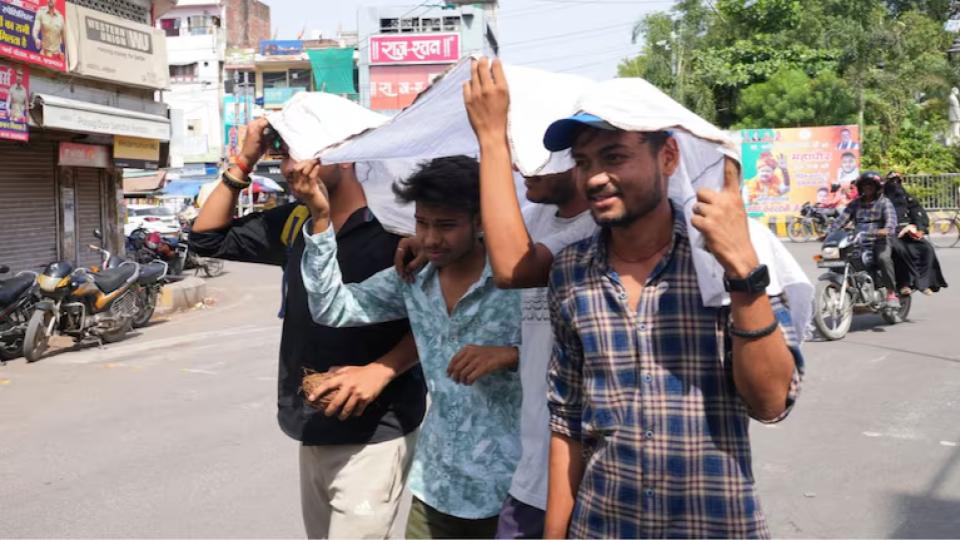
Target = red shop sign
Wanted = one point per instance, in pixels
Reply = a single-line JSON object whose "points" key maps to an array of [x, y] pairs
{"points": [[415, 49], [394, 87]]}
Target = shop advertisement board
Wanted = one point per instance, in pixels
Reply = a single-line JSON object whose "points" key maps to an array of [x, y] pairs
{"points": [[136, 153], [785, 168], [14, 102], [83, 155], [117, 50], [395, 87], [440, 48], [32, 32]]}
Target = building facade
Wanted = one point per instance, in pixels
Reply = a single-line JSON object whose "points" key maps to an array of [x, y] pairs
{"points": [[402, 49], [199, 35], [78, 103]]}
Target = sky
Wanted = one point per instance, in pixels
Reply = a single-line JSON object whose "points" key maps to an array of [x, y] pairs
{"points": [[583, 37]]}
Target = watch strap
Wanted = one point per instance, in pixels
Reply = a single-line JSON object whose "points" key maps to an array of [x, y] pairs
{"points": [[756, 281]]}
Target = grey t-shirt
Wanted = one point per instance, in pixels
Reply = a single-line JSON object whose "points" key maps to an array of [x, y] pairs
{"points": [[530, 479]]}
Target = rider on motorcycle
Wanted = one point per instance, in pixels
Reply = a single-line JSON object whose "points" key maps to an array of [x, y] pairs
{"points": [[875, 216]]}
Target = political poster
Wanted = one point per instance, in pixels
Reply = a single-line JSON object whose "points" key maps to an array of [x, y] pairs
{"points": [[32, 31], [14, 102], [785, 168]]}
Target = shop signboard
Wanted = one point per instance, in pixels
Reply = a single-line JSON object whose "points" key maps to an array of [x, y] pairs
{"points": [[84, 155], [14, 102], [785, 168], [136, 153], [395, 87], [117, 50], [32, 32], [439, 48]]}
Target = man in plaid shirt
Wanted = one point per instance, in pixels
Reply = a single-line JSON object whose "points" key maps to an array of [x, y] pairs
{"points": [[650, 391], [875, 216]]}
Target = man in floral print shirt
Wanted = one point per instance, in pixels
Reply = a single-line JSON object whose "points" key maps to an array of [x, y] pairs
{"points": [[466, 330]]}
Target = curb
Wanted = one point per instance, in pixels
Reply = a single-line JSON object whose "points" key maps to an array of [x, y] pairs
{"points": [[182, 295], [776, 223]]}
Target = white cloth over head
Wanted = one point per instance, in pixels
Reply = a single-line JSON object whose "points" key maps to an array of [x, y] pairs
{"points": [[633, 104], [313, 121], [436, 124]]}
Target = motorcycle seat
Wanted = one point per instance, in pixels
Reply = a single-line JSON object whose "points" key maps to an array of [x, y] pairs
{"points": [[111, 280], [150, 273], [12, 288]]}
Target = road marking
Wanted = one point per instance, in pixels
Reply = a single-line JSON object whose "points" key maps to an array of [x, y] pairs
{"points": [[949, 443], [872, 434], [198, 371]]}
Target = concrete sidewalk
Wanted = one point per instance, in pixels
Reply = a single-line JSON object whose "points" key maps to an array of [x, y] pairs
{"points": [[182, 295]]}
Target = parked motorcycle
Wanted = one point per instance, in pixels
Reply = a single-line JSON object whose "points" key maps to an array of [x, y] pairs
{"points": [[175, 251], [153, 276], [82, 304], [851, 284], [813, 222], [18, 296], [211, 267]]}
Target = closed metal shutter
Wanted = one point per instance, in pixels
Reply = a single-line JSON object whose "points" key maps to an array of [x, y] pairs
{"points": [[89, 189], [28, 205]]}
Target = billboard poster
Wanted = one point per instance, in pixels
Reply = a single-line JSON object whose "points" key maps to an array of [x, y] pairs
{"points": [[281, 47], [14, 102], [237, 111], [785, 168], [32, 31], [415, 49], [395, 87]]}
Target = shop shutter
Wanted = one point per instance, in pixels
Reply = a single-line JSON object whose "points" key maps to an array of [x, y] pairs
{"points": [[28, 205], [89, 190]]}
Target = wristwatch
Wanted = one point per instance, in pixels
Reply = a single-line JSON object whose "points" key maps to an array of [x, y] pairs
{"points": [[755, 282]]}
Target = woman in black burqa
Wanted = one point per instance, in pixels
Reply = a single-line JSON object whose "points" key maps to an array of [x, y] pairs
{"points": [[914, 258]]}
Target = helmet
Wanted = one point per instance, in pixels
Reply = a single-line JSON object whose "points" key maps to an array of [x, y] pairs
{"points": [[869, 176]]}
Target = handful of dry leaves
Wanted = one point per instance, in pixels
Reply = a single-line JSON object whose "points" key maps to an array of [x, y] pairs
{"points": [[311, 380]]}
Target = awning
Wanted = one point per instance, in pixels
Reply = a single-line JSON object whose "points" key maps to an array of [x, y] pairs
{"points": [[72, 115], [332, 70], [143, 184]]}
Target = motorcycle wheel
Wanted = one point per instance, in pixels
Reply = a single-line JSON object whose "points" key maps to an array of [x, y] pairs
{"points": [[36, 340], [212, 267], [146, 305], [797, 230], [118, 334], [894, 316], [11, 350], [832, 315]]}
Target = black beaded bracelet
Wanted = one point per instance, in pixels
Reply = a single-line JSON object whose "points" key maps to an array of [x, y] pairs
{"points": [[232, 182], [754, 334]]}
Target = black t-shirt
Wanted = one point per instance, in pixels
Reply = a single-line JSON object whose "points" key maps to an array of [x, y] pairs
{"points": [[364, 248]]}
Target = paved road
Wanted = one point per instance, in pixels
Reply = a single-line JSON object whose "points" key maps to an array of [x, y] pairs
{"points": [[171, 433]]}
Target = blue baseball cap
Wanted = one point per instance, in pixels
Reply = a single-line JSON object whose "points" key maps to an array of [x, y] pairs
{"points": [[560, 134]]}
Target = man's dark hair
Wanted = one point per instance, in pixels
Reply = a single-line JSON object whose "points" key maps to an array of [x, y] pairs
{"points": [[452, 182], [823, 189], [845, 154]]}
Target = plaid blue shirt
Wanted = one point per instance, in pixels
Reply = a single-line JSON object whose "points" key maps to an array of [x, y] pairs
{"points": [[880, 214], [650, 395]]}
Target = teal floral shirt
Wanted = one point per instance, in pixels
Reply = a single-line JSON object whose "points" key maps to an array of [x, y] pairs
{"points": [[469, 442]]}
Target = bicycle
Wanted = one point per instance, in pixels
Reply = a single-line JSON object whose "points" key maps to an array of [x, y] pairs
{"points": [[945, 231]]}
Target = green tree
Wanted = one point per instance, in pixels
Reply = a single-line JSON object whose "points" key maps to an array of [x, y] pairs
{"points": [[791, 98]]}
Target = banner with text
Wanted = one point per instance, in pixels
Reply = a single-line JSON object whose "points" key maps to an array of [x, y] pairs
{"points": [[415, 49], [395, 87], [14, 102], [32, 31], [784, 168], [115, 49]]}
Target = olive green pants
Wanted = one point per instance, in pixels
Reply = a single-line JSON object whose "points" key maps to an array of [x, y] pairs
{"points": [[428, 522]]}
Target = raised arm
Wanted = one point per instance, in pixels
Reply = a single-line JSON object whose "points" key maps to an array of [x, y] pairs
{"points": [[333, 303], [517, 261]]}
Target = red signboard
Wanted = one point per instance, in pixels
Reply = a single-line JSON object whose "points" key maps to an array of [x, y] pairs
{"points": [[84, 155], [395, 87], [32, 31], [415, 49], [14, 102]]}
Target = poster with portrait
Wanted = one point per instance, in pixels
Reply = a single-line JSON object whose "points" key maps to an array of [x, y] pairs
{"points": [[14, 102], [785, 168], [33, 31]]}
